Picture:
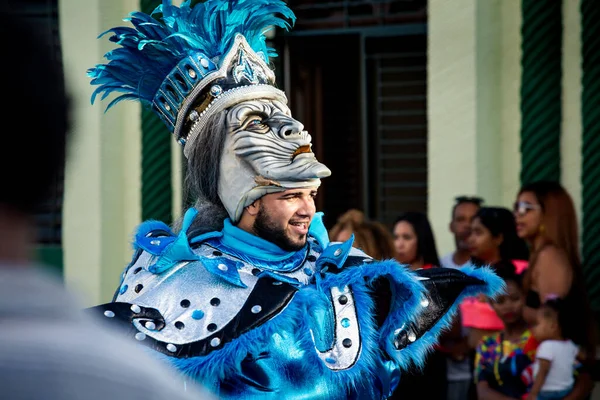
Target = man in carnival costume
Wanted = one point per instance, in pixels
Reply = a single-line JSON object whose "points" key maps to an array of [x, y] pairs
{"points": [[248, 296]]}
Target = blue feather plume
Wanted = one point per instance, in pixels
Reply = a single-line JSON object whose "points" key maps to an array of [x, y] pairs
{"points": [[152, 48]]}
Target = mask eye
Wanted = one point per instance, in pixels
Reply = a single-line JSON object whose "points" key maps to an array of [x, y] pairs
{"points": [[255, 121]]}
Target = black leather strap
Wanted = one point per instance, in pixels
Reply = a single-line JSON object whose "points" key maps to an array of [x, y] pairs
{"points": [[443, 285]]}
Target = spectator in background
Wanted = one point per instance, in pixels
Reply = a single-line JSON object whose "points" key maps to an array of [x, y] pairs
{"points": [[415, 247], [48, 348], [460, 357], [556, 355], [546, 219], [493, 240], [502, 359], [414, 241], [370, 236], [463, 212]]}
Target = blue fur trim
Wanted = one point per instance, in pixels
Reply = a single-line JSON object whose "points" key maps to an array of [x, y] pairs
{"points": [[405, 304], [416, 352], [293, 328], [494, 286]]}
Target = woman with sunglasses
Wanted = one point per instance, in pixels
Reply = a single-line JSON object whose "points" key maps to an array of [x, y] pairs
{"points": [[546, 219]]}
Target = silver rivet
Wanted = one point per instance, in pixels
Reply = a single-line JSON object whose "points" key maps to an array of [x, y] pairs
{"points": [[337, 252], [150, 325], [424, 302], [140, 336], [167, 107], [109, 314], [191, 73], [215, 90], [276, 283], [412, 336], [222, 267], [171, 347], [135, 308], [194, 115], [256, 309], [214, 342], [155, 242], [204, 62]]}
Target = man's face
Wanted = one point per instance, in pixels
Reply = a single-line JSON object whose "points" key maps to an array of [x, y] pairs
{"points": [[461, 224], [283, 218]]}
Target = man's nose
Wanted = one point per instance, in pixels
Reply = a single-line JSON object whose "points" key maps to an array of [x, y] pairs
{"points": [[291, 129], [308, 207]]}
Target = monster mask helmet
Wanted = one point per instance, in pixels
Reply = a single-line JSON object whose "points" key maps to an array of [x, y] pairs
{"points": [[192, 63]]}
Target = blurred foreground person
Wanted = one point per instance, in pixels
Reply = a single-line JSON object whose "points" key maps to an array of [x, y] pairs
{"points": [[48, 348]]}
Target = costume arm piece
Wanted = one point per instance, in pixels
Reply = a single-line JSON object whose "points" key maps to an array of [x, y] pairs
{"points": [[445, 288], [419, 303]]}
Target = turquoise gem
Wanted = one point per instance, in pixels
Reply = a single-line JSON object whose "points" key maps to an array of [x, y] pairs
{"points": [[198, 314], [123, 289], [345, 322]]}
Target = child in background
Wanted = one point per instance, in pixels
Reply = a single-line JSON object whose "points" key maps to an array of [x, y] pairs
{"points": [[502, 359], [556, 355]]}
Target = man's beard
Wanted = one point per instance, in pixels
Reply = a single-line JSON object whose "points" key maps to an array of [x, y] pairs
{"points": [[267, 229]]}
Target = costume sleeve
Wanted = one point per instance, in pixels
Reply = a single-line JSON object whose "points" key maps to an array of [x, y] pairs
{"points": [[417, 306], [445, 289]]}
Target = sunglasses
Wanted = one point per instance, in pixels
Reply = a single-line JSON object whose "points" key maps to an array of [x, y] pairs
{"points": [[521, 208]]}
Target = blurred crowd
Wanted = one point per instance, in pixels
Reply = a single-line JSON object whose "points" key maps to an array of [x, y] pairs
{"points": [[538, 339]]}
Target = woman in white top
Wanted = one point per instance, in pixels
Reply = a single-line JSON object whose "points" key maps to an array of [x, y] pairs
{"points": [[556, 354]]}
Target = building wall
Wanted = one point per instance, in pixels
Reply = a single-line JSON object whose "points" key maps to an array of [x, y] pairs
{"points": [[473, 109], [474, 116], [102, 185]]}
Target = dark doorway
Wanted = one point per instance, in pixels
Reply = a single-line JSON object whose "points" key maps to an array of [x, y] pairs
{"points": [[325, 83]]}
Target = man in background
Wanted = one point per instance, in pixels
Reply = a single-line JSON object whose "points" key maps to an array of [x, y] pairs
{"points": [[48, 348], [459, 360], [463, 212]]}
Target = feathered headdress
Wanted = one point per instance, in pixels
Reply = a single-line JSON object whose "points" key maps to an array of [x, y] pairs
{"points": [[195, 61]]}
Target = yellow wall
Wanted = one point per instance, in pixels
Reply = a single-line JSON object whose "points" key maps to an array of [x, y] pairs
{"points": [[571, 103], [473, 105], [474, 80], [102, 185]]}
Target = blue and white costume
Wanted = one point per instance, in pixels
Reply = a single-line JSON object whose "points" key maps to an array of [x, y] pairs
{"points": [[225, 307]]}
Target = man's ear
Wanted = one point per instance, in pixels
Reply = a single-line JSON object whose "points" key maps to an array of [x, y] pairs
{"points": [[253, 208]]}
